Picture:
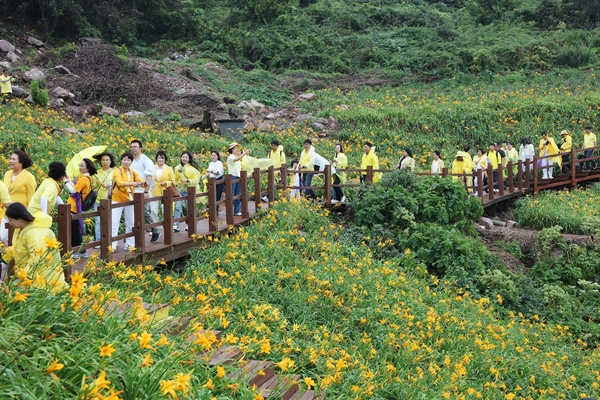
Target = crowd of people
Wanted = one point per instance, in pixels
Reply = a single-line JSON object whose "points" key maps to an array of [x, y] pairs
{"points": [[26, 206]]}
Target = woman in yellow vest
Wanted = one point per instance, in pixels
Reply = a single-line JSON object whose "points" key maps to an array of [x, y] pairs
{"points": [[548, 147]]}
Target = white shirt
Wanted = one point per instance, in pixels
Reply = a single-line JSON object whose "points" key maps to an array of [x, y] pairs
{"points": [[144, 167], [216, 166], [321, 162]]}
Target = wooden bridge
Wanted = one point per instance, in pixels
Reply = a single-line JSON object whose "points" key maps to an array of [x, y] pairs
{"points": [[197, 227]]}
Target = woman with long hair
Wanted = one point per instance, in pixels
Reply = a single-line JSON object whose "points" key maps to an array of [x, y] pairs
{"points": [[186, 174], [21, 183], [340, 161], [103, 183], [215, 170], [407, 161], [47, 194]]}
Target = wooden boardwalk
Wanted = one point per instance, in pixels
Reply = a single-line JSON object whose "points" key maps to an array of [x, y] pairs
{"points": [[174, 245]]}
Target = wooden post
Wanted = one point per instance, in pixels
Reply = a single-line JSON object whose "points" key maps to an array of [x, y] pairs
{"points": [[271, 187], [490, 182], [139, 229], [105, 228], [244, 193], [501, 179], [328, 185], [528, 171], [369, 174], [520, 176], [535, 174], [480, 183], [444, 172], [191, 217], [229, 199], [284, 178], [257, 189], [64, 228], [212, 207], [573, 169], [168, 217], [511, 178]]}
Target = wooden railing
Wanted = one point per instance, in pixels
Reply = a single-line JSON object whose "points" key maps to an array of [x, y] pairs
{"points": [[525, 178]]}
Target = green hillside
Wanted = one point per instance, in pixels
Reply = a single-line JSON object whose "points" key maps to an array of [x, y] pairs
{"points": [[395, 38]]}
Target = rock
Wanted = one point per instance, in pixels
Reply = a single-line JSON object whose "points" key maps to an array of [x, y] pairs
{"points": [[323, 121], [307, 97], [110, 111], [244, 104], [228, 100], [29, 99], [344, 106], [71, 131], [6, 46], [271, 116], [264, 126], [58, 103], [303, 117], [5, 64], [180, 91], [34, 74], [284, 83], [332, 120], [177, 56], [61, 69], [222, 106], [134, 114], [61, 93], [187, 72], [511, 224], [12, 57], [249, 126], [34, 42], [317, 126], [19, 92], [486, 222], [256, 104], [89, 42]]}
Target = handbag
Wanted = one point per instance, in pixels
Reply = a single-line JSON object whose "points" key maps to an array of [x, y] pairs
{"points": [[173, 190], [90, 199]]}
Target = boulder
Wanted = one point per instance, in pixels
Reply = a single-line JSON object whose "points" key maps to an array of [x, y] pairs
{"points": [[486, 222], [264, 126], [177, 56], [34, 74], [34, 42], [249, 126], [89, 42], [317, 126], [61, 69], [271, 116], [57, 103], [332, 120], [19, 92], [303, 117], [6, 46], [12, 57], [5, 64], [256, 104], [29, 99], [110, 111], [180, 92], [344, 106], [323, 121], [71, 131], [61, 93], [307, 97], [134, 114]]}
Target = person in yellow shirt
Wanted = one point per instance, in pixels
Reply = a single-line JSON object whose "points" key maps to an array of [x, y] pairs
{"points": [[21, 183], [495, 159], [461, 165], [47, 194], [565, 145], [6, 85], [162, 178], [370, 159], [34, 249], [589, 141], [437, 165], [339, 178], [481, 163], [548, 147], [103, 183], [126, 180], [187, 174], [277, 155]]}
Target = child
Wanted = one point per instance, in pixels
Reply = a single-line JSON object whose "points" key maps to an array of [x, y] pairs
{"points": [[295, 171]]}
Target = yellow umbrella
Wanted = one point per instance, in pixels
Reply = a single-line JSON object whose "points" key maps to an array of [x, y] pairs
{"points": [[73, 165]]}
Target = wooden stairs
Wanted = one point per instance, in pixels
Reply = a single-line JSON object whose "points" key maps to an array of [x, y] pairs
{"points": [[260, 374]]}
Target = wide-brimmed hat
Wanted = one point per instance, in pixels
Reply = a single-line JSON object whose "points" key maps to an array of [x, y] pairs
{"points": [[460, 154], [234, 144], [564, 133]]}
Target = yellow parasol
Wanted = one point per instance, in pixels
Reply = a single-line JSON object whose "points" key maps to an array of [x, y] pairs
{"points": [[73, 165]]}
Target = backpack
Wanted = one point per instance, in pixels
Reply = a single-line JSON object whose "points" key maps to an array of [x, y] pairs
{"points": [[89, 201]]}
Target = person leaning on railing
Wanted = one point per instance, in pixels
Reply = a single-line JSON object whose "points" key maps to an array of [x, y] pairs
{"points": [[47, 194]]}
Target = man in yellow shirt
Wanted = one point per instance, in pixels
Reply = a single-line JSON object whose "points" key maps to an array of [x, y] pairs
{"points": [[495, 160], [565, 145], [6, 86], [589, 141]]}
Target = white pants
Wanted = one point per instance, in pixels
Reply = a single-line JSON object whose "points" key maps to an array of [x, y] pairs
{"points": [[4, 231], [154, 211], [547, 167], [116, 221]]}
